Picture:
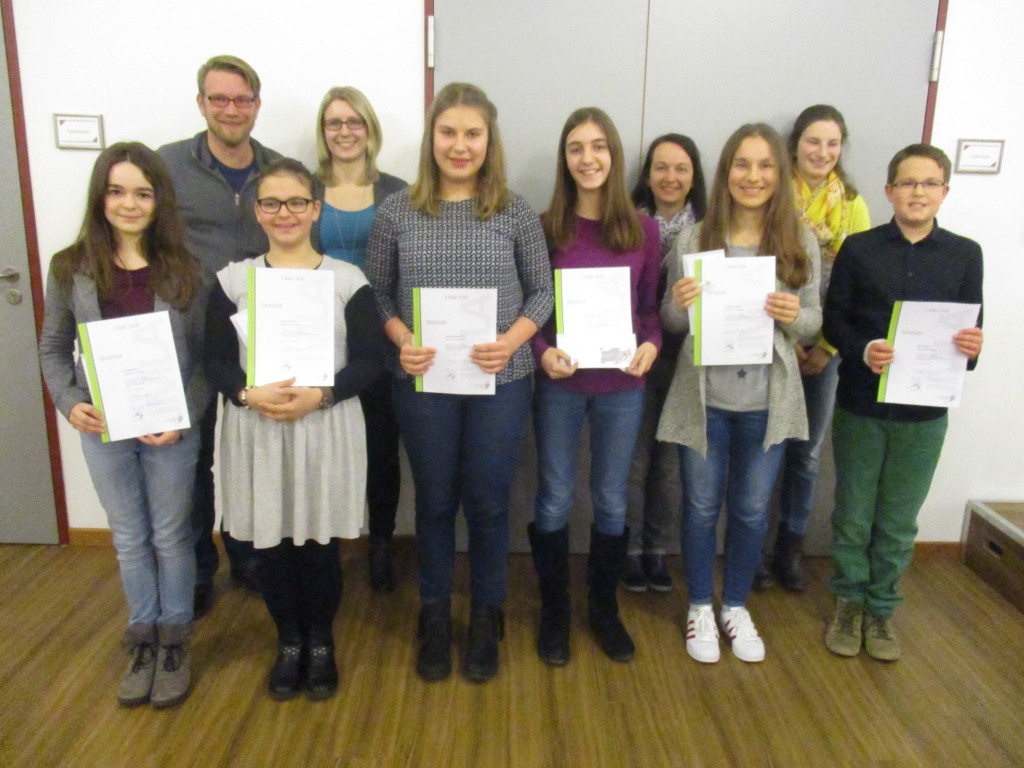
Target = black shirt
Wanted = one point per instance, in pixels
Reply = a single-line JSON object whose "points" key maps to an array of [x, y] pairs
{"points": [[875, 269]]}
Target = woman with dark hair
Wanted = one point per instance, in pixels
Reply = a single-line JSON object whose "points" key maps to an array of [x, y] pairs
{"points": [[351, 189], [732, 421], [293, 458], [671, 189], [829, 205], [130, 259], [590, 223], [458, 226]]}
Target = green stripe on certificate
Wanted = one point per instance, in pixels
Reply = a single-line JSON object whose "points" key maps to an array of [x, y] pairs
{"points": [[890, 338], [250, 351], [696, 315], [90, 373], [417, 330], [559, 312]]}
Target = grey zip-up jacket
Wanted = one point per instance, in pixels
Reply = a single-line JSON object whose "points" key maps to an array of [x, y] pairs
{"points": [[220, 226]]}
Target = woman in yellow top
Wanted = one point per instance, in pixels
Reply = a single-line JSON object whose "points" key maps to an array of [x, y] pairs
{"points": [[830, 206]]}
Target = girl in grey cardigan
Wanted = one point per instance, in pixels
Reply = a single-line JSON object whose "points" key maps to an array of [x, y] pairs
{"points": [[130, 259], [731, 422]]}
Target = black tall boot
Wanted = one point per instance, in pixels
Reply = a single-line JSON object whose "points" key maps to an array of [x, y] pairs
{"points": [[789, 550], [551, 561], [604, 566]]}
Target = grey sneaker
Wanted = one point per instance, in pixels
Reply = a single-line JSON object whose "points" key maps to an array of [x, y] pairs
{"points": [[843, 637], [173, 666], [140, 641], [879, 638]]}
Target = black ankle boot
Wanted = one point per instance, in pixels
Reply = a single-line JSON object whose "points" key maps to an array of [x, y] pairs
{"points": [[286, 676], [321, 669], [486, 628], [434, 657], [789, 549], [551, 561], [763, 578], [604, 565], [382, 568]]}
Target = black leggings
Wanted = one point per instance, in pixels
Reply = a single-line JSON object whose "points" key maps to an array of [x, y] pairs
{"points": [[302, 589]]}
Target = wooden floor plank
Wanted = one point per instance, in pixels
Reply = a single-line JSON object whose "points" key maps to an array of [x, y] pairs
{"points": [[955, 699]]}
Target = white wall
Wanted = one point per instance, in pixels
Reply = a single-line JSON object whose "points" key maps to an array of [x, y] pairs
{"points": [[135, 64], [978, 98]]}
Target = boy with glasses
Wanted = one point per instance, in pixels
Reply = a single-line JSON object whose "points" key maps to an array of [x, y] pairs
{"points": [[886, 454]]}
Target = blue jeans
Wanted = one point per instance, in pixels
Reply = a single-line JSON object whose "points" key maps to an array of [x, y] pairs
{"points": [[146, 492], [614, 424], [800, 470], [740, 472], [463, 449]]}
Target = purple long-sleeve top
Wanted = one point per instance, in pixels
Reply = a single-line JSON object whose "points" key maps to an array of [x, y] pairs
{"points": [[587, 251]]}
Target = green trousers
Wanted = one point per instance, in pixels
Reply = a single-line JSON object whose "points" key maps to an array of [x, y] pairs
{"points": [[883, 472]]}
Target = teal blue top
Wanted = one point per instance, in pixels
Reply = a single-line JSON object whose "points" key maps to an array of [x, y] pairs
{"points": [[343, 234]]}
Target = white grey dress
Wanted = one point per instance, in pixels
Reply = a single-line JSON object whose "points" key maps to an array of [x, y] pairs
{"points": [[304, 480]]}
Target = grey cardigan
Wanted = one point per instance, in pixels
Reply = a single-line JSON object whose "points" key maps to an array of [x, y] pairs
{"points": [[65, 376], [683, 419], [385, 185]]}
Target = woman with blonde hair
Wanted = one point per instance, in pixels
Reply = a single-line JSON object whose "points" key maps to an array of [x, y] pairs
{"points": [[458, 226], [351, 190]]}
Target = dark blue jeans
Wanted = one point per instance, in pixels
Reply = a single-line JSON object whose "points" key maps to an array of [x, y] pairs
{"points": [[463, 449], [738, 471]]}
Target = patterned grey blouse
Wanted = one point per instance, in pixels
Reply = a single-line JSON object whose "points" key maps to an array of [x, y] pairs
{"points": [[408, 249]]}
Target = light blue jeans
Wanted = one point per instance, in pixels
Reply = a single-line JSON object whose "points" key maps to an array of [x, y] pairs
{"points": [[800, 469], [738, 471], [146, 492], [614, 425]]}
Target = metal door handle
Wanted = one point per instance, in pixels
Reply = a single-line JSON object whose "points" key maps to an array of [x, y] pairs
{"points": [[10, 274]]}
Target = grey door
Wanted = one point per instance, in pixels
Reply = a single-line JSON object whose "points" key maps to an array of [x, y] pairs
{"points": [[27, 512]]}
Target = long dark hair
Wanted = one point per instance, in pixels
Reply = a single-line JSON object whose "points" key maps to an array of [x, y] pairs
{"points": [[643, 195], [781, 236], [815, 114], [620, 227], [174, 274]]}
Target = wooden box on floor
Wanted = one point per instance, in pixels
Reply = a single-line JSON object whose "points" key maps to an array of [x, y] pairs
{"points": [[994, 546]]}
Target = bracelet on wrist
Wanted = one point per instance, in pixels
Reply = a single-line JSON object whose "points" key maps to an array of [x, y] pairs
{"points": [[243, 397], [326, 398]]}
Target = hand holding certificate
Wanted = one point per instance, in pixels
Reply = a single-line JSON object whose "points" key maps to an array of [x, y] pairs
{"points": [[290, 327], [927, 368], [132, 368], [452, 321], [728, 320], [594, 316]]}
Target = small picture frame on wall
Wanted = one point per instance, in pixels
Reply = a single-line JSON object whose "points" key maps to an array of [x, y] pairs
{"points": [[78, 131], [979, 155]]}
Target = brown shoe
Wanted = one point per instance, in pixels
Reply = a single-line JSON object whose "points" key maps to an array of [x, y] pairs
{"points": [[879, 638], [843, 637], [173, 666]]}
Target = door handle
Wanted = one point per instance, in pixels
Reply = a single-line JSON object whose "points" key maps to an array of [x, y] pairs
{"points": [[10, 274]]}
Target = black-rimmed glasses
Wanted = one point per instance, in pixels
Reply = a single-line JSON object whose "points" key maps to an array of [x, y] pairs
{"points": [[293, 204], [355, 124]]}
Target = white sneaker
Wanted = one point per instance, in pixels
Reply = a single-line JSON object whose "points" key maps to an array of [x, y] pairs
{"points": [[702, 635], [747, 645]]}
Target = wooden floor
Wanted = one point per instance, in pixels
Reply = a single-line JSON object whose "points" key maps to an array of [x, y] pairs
{"points": [[955, 700]]}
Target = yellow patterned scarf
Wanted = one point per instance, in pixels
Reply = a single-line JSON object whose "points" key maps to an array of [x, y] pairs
{"points": [[825, 211]]}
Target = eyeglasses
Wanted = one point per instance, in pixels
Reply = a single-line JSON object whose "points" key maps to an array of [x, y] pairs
{"points": [[908, 185], [220, 101], [293, 204], [355, 124]]}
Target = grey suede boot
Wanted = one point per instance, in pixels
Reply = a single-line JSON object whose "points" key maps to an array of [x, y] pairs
{"points": [[140, 641], [173, 666]]}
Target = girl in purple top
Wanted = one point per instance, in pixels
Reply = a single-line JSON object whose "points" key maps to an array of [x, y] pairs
{"points": [[591, 223]]}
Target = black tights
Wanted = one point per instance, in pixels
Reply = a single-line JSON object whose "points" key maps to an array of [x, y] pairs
{"points": [[302, 589]]}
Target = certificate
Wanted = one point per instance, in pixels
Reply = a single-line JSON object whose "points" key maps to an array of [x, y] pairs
{"points": [[689, 263], [594, 316], [290, 327], [132, 369], [452, 321], [730, 324], [927, 368]]}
